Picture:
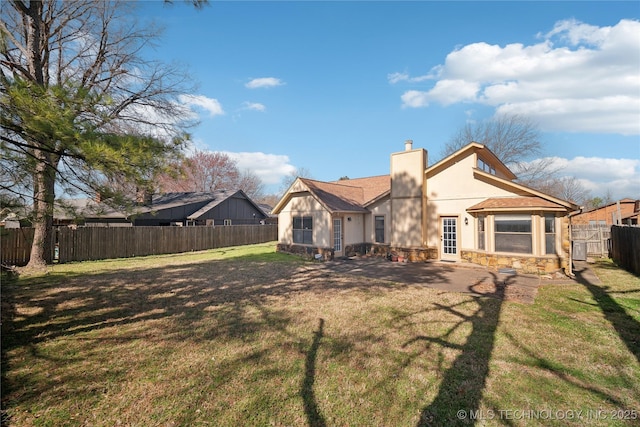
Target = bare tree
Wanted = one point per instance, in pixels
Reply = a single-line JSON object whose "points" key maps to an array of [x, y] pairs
{"points": [[516, 141], [512, 138], [203, 171], [210, 171], [566, 188], [287, 180], [251, 184], [80, 103]]}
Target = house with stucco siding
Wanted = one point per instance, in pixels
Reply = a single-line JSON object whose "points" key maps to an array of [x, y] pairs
{"points": [[464, 208]]}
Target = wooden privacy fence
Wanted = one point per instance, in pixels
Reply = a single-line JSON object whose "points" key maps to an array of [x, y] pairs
{"points": [[625, 247], [15, 245], [92, 243], [596, 236]]}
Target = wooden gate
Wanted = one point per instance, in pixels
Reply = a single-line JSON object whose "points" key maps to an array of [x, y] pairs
{"points": [[596, 236]]}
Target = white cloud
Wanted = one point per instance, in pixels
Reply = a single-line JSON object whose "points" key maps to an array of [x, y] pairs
{"points": [[209, 104], [254, 106], [579, 78], [270, 168], [415, 98], [263, 82], [600, 175], [405, 77]]}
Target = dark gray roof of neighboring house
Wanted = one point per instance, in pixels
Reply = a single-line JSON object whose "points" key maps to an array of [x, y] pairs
{"points": [[172, 200], [69, 209], [214, 198], [266, 208]]}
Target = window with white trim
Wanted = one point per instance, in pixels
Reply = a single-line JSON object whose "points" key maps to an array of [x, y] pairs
{"points": [[481, 232], [512, 233], [550, 234], [303, 230]]}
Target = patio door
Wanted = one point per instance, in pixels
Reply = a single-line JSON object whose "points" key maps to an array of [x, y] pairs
{"points": [[337, 237], [449, 238]]}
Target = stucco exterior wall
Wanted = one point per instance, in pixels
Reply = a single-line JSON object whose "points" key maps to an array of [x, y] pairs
{"points": [[382, 208], [408, 202], [305, 205], [450, 193], [354, 229]]}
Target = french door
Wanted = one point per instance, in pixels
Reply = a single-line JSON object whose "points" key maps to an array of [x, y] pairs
{"points": [[337, 237], [449, 238]]}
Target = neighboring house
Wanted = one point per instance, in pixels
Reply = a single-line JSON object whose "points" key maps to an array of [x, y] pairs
{"points": [[629, 210], [271, 218], [466, 207], [87, 212], [177, 209], [209, 208]]}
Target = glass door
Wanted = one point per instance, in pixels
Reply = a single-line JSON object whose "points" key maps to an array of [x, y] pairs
{"points": [[337, 237], [449, 238]]}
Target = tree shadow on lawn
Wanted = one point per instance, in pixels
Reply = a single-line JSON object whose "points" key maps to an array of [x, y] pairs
{"points": [[626, 326], [311, 410], [199, 301], [462, 385]]}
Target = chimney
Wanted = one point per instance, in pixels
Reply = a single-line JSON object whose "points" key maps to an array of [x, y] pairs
{"points": [[408, 145]]}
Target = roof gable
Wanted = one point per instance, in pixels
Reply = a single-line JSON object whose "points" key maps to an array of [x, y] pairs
{"points": [[220, 199], [349, 195], [473, 148]]}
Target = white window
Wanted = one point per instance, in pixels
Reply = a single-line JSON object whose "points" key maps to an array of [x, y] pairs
{"points": [[303, 230], [227, 222], [550, 234], [513, 233]]}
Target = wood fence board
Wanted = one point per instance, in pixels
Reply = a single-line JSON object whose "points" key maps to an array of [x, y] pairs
{"points": [[625, 247], [93, 243]]}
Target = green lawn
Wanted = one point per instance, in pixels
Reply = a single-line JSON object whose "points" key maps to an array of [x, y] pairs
{"points": [[246, 336]]}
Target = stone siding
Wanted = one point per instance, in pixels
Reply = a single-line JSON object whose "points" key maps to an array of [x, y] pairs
{"points": [[520, 263], [307, 252], [409, 254]]}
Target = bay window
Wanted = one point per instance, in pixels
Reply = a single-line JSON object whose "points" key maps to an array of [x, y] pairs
{"points": [[512, 233]]}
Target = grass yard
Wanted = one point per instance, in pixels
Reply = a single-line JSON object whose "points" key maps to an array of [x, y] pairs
{"points": [[247, 336]]}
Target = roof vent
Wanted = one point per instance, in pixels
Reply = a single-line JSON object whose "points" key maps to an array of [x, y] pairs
{"points": [[408, 145]]}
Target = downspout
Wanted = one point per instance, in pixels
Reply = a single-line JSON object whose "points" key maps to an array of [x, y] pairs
{"points": [[570, 263]]}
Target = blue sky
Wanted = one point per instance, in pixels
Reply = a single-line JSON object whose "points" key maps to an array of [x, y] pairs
{"points": [[335, 87]]}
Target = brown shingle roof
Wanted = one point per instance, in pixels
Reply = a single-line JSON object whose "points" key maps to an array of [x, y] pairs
{"points": [[372, 186], [350, 195], [503, 203]]}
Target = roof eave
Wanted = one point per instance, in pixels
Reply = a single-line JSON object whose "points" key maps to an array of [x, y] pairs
{"points": [[377, 198], [568, 205], [517, 209]]}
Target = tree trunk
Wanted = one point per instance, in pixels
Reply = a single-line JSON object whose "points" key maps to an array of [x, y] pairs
{"points": [[44, 196]]}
